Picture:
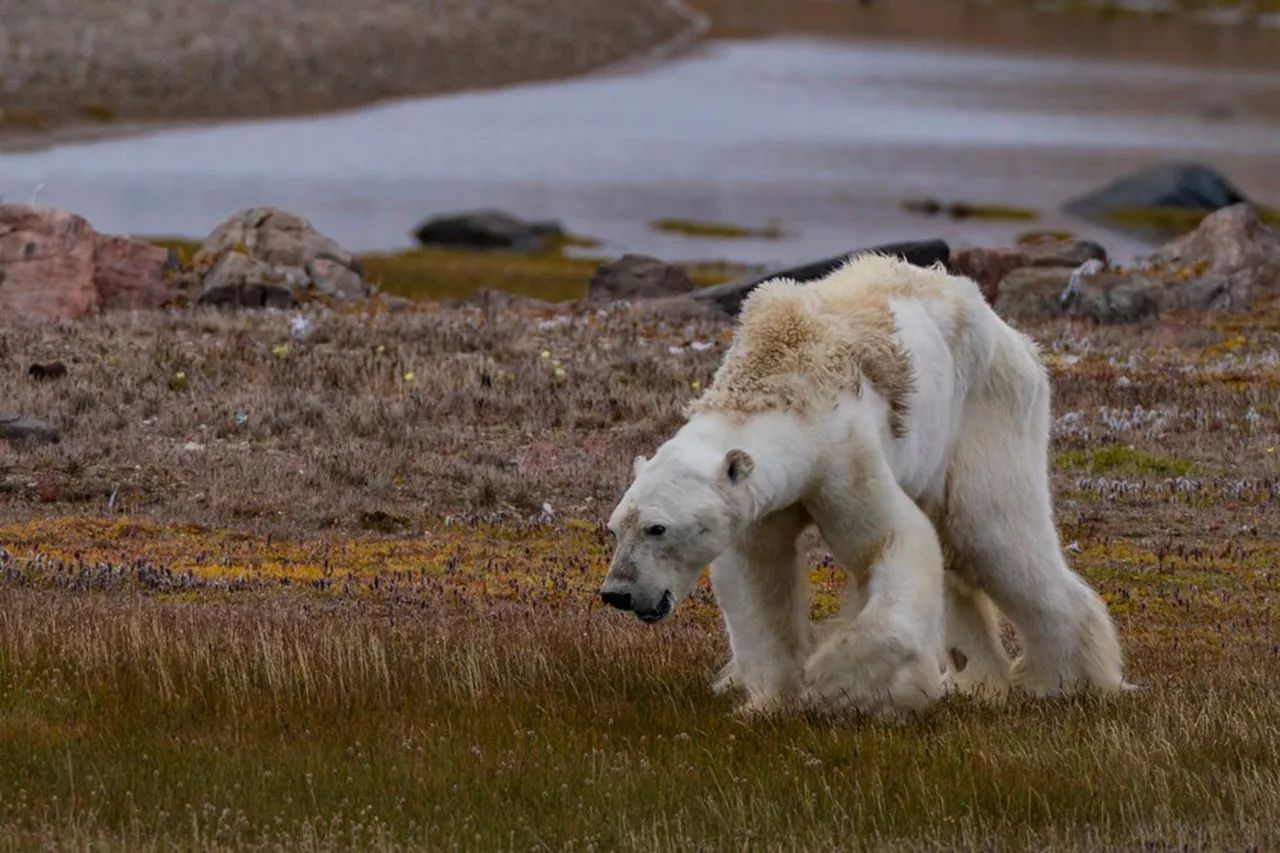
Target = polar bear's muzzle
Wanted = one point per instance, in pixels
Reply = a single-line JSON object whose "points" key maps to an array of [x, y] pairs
{"points": [[649, 605], [645, 612]]}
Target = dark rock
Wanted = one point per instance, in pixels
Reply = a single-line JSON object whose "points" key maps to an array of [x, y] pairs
{"points": [[487, 229], [237, 280], [729, 296], [266, 257], [46, 372], [19, 428], [637, 277], [1178, 186]]}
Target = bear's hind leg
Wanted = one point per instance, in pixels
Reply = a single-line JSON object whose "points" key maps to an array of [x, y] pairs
{"points": [[763, 594], [998, 520]]}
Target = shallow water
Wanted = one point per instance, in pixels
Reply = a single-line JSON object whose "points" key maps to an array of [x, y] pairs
{"points": [[827, 137]]}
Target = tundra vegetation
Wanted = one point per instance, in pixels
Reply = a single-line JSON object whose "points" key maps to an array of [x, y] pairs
{"points": [[336, 587]]}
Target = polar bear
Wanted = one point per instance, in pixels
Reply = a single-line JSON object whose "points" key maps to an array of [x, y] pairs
{"points": [[888, 405]]}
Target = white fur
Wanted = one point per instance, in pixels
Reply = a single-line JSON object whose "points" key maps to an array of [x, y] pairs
{"points": [[968, 478]]}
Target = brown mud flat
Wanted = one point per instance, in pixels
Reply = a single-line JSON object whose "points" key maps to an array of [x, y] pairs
{"points": [[1074, 29], [86, 70]]}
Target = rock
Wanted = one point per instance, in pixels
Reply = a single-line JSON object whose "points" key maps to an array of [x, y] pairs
{"points": [[130, 274], [1118, 297], [1169, 186], [46, 372], [637, 277], [55, 266], [268, 253], [729, 296], [487, 229], [988, 267], [1233, 258], [237, 280], [19, 428], [1032, 292], [46, 264], [1047, 250]]}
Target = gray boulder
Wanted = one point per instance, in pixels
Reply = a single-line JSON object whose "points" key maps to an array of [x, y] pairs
{"points": [[237, 280], [637, 277], [487, 229], [259, 254], [1232, 259], [729, 296]]}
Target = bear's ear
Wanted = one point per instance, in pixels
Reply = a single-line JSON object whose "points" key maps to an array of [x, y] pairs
{"points": [[637, 465], [738, 465]]}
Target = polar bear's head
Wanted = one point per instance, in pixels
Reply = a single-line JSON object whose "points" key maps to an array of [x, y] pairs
{"points": [[681, 512]]}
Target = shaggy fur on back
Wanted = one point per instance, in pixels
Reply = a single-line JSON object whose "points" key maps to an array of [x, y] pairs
{"points": [[798, 345]]}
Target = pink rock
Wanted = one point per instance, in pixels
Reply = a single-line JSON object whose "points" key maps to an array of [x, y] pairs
{"points": [[46, 264], [54, 266], [988, 267], [130, 274]]}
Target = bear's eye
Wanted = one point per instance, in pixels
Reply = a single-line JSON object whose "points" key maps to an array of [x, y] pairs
{"points": [[655, 530]]}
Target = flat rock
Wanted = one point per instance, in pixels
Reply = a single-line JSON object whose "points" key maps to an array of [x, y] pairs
{"points": [[729, 296], [21, 428], [637, 277]]}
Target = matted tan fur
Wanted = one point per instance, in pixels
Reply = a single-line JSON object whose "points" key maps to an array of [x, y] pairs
{"points": [[798, 345]]}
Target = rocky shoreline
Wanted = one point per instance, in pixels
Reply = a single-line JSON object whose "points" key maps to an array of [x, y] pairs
{"points": [[70, 67]]}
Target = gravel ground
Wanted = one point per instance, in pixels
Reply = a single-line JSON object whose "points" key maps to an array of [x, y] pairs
{"points": [[80, 62]]}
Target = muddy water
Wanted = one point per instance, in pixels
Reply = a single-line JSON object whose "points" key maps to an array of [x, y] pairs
{"points": [[825, 137]]}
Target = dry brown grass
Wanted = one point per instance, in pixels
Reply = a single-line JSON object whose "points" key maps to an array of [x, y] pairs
{"points": [[237, 654]]}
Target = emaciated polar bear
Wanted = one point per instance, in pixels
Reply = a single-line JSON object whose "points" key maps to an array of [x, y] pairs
{"points": [[891, 407]]}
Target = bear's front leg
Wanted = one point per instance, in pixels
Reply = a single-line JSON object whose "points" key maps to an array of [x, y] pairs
{"points": [[763, 594], [883, 654]]}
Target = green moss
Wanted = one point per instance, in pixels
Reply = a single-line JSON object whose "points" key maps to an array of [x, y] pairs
{"points": [[21, 120], [183, 248], [98, 112], [721, 230], [1175, 220], [434, 273], [965, 210], [457, 274], [1124, 460]]}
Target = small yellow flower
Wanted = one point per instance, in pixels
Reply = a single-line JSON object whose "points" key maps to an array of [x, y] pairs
{"points": [[381, 349], [695, 385], [546, 353], [408, 376], [280, 350], [560, 374]]}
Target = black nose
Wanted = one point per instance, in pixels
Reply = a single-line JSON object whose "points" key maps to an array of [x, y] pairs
{"points": [[620, 600]]}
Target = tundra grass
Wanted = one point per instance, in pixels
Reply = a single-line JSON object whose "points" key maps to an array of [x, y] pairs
{"points": [[338, 590]]}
